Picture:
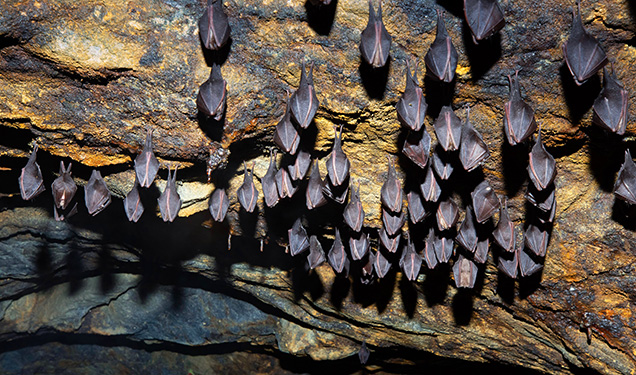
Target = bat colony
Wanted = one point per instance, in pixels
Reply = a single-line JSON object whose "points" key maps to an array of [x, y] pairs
{"points": [[460, 148]]}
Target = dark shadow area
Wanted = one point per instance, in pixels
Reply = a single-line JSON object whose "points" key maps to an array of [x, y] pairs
{"points": [[320, 17], [436, 284], [528, 285], [482, 56], [505, 285], [624, 214], [607, 153], [514, 163], [219, 56], [373, 79], [212, 128], [74, 269], [339, 291], [578, 98], [438, 94], [454, 7], [384, 290], [463, 305], [408, 292]]}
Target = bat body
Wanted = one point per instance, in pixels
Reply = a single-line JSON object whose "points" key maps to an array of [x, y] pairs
{"points": [[527, 265], [132, 203], [337, 163], [31, 181], [214, 28], [381, 265], [393, 222], [286, 135], [485, 201], [473, 151], [417, 212], [610, 108], [509, 266], [391, 192], [448, 128], [467, 234], [286, 188], [481, 251], [541, 165], [484, 18], [363, 353], [541, 199], [211, 99], [442, 163], [389, 242], [411, 261], [504, 233], [359, 245], [536, 240], [247, 193], [447, 215], [465, 272], [441, 58], [313, 195], [298, 240], [625, 186], [219, 204], [316, 255], [336, 193], [411, 107], [146, 164], [268, 182], [375, 40], [304, 102], [169, 201], [63, 187], [519, 123], [298, 170], [366, 272], [353, 212], [417, 147], [429, 250], [96, 193], [337, 256], [443, 246], [430, 188]]}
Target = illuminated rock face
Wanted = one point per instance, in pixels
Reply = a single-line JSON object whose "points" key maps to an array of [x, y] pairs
{"points": [[86, 79]]}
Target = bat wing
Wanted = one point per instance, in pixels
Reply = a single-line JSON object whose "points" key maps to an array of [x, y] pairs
{"points": [[298, 241], [527, 265], [389, 242], [485, 201], [97, 196], [298, 170], [541, 165], [381, 265], [337, 256], [211, 99], [484, 17], [268, 182], [417, 212], [448, 128], [481, 251], [63, 187], [393, 222], [214, 27], [584, 55], [625, 186], [132, 204], [541, 199], [363, 353], [313, 195], [284, 184], [375, 40], [473, 151], [146, 164], [429, 250], [509, 266], [447, 215], [443, 248], [31, 181], [610, 108], [247, 193], [411, 107], [337, 163], [504, 233], [391, 192], [441, 58], [519, 122], [417, 147], [536, 240], [285, 135], [411, 262], [467, 234], [430, 188], [465, 273], [359, 245], [353, 212], [219, 204], [316, 255], [169, 201], [304, 102]]}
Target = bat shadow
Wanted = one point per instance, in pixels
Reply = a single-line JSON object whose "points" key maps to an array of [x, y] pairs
{"points": [[607, 153], [514, 162], [435, 286], [211, 127], [482, 56], [624, 214], [384, 291], [219, 56], [408, 292], [579, 99], [505, 284], [438, 94], [463, 306], [339, 291], [454, 7], [321, 17], [374, 80]]}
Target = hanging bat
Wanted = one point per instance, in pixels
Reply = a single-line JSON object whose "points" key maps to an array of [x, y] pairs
{"points": [[625, 186], [214, 28], [338, 257], [268, 182], [510, 266], [286, 135], [465, 272], [429, 250], [31, 181], [313, 195], [219, 204], [146, 164], [411, 108], [447, 214], [411, 261], [286, 188], [359, 245], [448, 128], [336, 193], [443, 246], [541, 199], [519, 123], [485, 201], [527, 265], [381, 264], [298, 240], [467, 234], [61, 217], [63, 187], [303, 101], [353, 212], [211, 99], [389, 242], [316, 255], [442, 163], [247, 193], [363, 353], [484, 18], [504, 233], [430, 188], [132, 203], [583, 54], [366, 274], [536, 240], [417, 212], [473, 151], [393, 222], [375, 41], [610, 108], [96, 193], [337, 162], [298, 170], [481, 251], [441, 58], [541, 165], [169, 200], [391, 192], [417, 147]]}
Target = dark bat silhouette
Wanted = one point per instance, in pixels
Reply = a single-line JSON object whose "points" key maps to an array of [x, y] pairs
{"points": [[610, 108], [485, 201], [169, 200], [509, 266], [541, 199], [429, 250], [298, 170], [286, 135], [411, 107], [268, 182], [298, 240], [338, 257], [389, 242], [527, 265], [313, 195], [467, 234], [417, 212], [336, 193], [247, 193], [366, 274], [353, 212], [583, 54], [465, 272], [504, 233], [448, 128], [481, 251], [359, 245], [417, 147], [441, 58], [430, 187], [211, 99], [442, 163], [519, 123], [146, 164], [63, 187], [443, 246], [473, 151], [316, 255], [363, 353], [214, 28], [96, 193], [625, 186], [303, 101], [536, 240], [447, 214], [381, 264], [375, 41], [132, 203], [484, 18], [31, 181], [393, 222], [541, 165], [410, 261], [337, 163], [391, 192], [284, 184], [219, 204], [320, 2]]}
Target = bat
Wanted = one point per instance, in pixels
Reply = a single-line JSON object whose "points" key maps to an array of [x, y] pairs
{"points": [[527, 265], [610, 108], [391, 192], [541, 199], [389, 242], [481, 251], [550, 215], [359, 245], [219, 204], [366, 276], [484, 18], [337, 256], [443, 246], [96, 193], [268, 182], [447, 214], [411, 108], [316, 255], [485, 201], [298, 240], [286, 135], [214, 28], [247, 193], [448, 128], [375, 41], [298, 170], [473, 151], [337, 163], [536, 240], [211, 99], [583, 54], [313, 195], [132, 203], [410, 261], [441, 58], [465, 272], [63, 187], [430, 188], [519, 123], [169, 200], [442, 163], [541, 165], [509, 266], [417, 212], [417, 147], [61, 217], [504, 233], [286, 188], [146, 164], [625, 186], [429, 250], [381, 264], [337, 193], [31, 181], [353, 212], [393, 222], [363, 353], [303, 101], [467, 234]]}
